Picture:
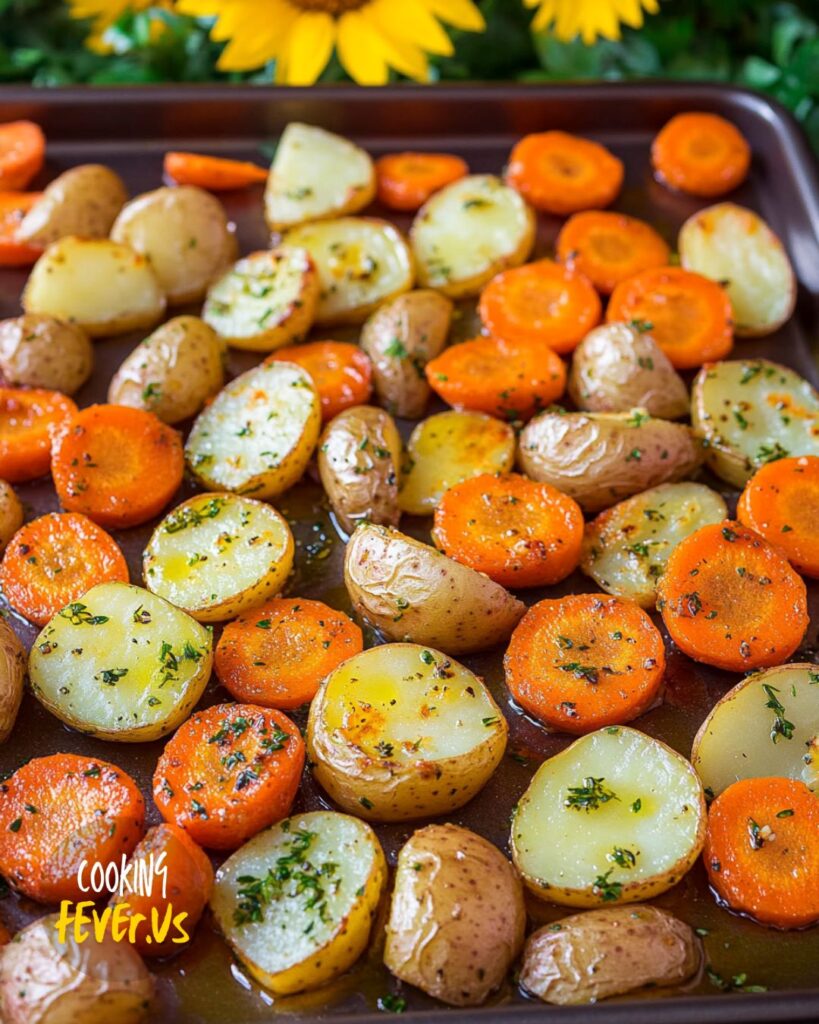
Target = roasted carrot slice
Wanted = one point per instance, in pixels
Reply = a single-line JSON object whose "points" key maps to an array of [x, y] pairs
{"points": [[610, 247], [730, 599], [690, 316], [13, 207], [407, 180], [59, 811], [54, 560], [213, 173], [28, 421], [341, 371], [229, 772], [585, 661], [561, 173], [519, 532], [117, 465], [781, 502], [22, 152], [702, 154], [543, 303], [762, 850]]}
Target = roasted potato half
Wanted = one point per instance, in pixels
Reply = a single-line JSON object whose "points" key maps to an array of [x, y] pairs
{"points": [[468, 232], [400, 338], [318, 918], [121, 664], [316, 175], [619, 367], [12, 677], [457, 916], [401, 731], [608, 952], [750, 412], [102, 286], [600, 458], [82, 201], [11, 513], [615, 817], [410, 591], [734, 246], [42, 352]]}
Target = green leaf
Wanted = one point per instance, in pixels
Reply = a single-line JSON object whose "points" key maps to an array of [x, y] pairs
{"points": [[759, 73]]}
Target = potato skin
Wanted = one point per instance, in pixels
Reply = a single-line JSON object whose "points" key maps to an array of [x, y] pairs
{"points": [[457, 922], [600, 458], [82, 201], [400, 338], [11, 513], [616, 368], [172, 372], [39, 351], [606, 952], [12, 674]]}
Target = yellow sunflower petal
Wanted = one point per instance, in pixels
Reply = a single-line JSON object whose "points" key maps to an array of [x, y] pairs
{"points": [[461, 14], [250, 49], [405, 57], [415, 24], [309, 47], [360, 50]]}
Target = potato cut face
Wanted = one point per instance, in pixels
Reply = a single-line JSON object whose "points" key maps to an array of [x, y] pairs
{"points": [[218, 554], [768, 725], [615, 816], [121, 664], [626, 548], [447, 449], [316, 175]]}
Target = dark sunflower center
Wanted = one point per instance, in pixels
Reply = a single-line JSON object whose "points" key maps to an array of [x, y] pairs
{"points": [[330, 6]]}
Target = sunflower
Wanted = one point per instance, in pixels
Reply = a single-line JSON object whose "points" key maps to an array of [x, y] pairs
{"points": [[103, 14], [589, 19], [369, 36]]}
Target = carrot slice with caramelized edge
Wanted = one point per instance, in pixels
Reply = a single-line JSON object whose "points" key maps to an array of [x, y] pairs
{"points": [[22, 152], [585, 661], [781, 502], [561, 173], [117, 465], [519, 532], [28, 420], [213, 173], [13, 207], [59, 811], [188, 883], [689, 316], [510, 381], [407, 180], [277, 654], [610, 247], [229, 772], [341, 371], [730, 599], [702, 154], [762, 850], [543, 302], [54, 560]]}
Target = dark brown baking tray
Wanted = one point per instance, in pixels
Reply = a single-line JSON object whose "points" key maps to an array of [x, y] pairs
{"points": [[130, 130]]}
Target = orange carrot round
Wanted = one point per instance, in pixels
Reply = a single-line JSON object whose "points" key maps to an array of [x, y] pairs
{"points": [[407, 180], [28, 420], [542, 302], [229, 772], [117, 465], [22, 152], [702, 154], [213, 173], [585, 661], [610, 247], [13, 207], [519, 532], [277, 654], [54, 560], [762, 850], [341, 371], [690, 316], [730, 599], [59, 811], [561, 173]]}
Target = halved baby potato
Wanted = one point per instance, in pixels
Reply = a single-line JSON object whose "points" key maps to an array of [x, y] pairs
{"points": [[258, 434], [468, 232], [448, 448], [265, 301], [734, 246], [297, 929], [401, 731], [767, 725], [316, 175], [614, 818], [362, 262], [216, 555], [121, 664]]}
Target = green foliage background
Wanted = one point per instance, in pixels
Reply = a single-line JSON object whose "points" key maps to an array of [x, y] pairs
{"points": [[773, 47]]}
